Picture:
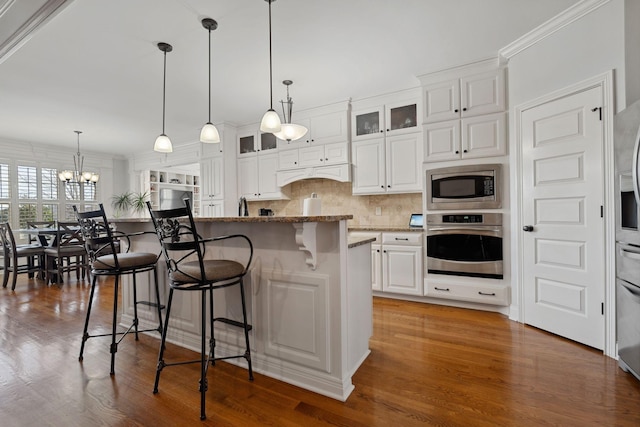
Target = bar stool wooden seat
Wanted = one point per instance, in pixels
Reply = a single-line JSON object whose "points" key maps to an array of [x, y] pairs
{"points": [[103, 246], [188, 270]]}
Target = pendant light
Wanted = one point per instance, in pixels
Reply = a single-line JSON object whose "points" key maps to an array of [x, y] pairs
{"points": [[209, 133], [163, 143], [270, 121], [289, 131]]}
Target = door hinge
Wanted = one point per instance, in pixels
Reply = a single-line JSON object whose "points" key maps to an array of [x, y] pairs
{"points": [[602, 308], [601, 211], [599, 111]]}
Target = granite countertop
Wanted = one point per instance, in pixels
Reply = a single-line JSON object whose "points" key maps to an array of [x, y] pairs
{"points": [[354, 241], [286, 219], [380, 228]]}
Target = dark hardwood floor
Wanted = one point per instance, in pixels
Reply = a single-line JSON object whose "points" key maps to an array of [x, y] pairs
{"points": [[429, 365]]}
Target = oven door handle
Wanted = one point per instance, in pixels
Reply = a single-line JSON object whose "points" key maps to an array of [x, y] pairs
{"points": [[482, 231]]}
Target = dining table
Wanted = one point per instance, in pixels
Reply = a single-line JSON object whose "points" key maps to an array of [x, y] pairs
{"points": [[47, 237]]}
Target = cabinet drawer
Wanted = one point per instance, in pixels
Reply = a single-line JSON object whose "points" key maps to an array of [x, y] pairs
{"points": [[484, 293], [410, 239]]}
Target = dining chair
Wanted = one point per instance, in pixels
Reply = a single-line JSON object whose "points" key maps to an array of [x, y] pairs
{"points": [[42, 239], [103, 245], [67, 253], [188, 270], [12, 254]]}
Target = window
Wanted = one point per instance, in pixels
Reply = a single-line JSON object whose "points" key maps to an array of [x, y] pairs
{"points": [[27, 183], [5, 183], [49, 183], [5, 212]]}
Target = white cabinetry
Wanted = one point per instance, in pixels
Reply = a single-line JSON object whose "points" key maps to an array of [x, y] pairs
{"points": [[386, 147], [465, 96], [465, 112], [211, 188], [466, 289], [473, 137], [257, 165], [396, 262], [387, 165], [154, 181], [323, 152]]}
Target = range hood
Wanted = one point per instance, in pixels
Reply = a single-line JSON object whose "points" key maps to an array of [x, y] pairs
{"points": [[340, 172]]}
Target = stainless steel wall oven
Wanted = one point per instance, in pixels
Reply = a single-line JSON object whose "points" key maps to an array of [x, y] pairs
{"points": [[465, 244]]}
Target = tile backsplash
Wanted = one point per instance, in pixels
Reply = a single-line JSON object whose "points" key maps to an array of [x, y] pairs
{"points": [[395, 209]]}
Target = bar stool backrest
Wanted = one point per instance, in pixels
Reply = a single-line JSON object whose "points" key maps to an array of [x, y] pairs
{"points": [[98, 237], [179, 238]]}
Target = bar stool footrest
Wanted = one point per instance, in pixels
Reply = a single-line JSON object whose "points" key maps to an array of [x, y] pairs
{"points": [[232, 322]]}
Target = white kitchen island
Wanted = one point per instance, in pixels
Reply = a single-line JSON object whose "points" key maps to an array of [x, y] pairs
{"points": [[308, 294]]}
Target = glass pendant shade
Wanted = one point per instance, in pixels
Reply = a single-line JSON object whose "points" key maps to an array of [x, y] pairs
{"points": [[209, 134], [163, 144], [270, 122], [291, 132]]}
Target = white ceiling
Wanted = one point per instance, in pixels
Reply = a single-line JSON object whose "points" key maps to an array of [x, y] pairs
{"points": [[95, 67]]}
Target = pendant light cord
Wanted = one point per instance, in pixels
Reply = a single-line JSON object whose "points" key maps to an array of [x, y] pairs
{"points": [[164, 89], [209, 74], [270, 60]]}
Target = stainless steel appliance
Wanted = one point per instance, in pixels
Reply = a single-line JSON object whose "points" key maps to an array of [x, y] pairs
{"points": [[465, 187], [171, 199], [627, 146], [465, 244]]}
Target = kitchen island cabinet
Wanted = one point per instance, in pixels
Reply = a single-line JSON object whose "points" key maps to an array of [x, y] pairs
{"points": [[308, 294]]}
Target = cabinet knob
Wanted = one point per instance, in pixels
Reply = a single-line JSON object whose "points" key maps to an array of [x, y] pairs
{"points": [[382, 186], [456, 110], [457, 152], [388, 186], [464, 109], [464, 151], [326, 159], [295, 163], [378, 250], [320, 159], [312, 140], [381, 131]]}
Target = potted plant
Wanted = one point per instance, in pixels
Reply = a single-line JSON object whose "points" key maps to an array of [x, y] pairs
{"points": [[121, 203], [138, 202]]}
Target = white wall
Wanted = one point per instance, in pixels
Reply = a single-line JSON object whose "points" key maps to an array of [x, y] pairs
{"points": [[585, 48]]}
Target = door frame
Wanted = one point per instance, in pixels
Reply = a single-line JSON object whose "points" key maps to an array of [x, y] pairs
{"points": [[516, 312]]}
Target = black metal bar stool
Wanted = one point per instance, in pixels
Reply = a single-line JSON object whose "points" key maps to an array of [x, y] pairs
{"points": [[104, 248], [184, 252]]}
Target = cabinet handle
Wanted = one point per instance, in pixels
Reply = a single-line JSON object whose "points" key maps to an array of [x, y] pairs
{"points": [[402, 238], [488, 294], [441, 289]]}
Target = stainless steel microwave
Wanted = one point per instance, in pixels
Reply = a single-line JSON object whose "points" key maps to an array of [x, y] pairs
{"points": [[465, 187]]}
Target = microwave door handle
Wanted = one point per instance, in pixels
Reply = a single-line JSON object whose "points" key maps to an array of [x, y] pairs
{"points": [[634, 172]]}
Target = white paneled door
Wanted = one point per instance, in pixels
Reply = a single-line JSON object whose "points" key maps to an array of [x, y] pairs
{"points": [[563, 233]]}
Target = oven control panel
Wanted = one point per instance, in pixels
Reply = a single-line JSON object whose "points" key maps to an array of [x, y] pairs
{"points": [[462, 219]]}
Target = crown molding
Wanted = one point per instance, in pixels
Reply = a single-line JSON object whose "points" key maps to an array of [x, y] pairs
{"points": [[554, 24], [15, 41]]}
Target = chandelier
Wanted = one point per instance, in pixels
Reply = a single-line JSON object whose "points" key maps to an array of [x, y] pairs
{"points": [[78, 175], [289, 131]]}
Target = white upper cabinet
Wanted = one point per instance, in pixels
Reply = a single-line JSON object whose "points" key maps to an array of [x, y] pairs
{"points": [[325, 126], [388, 119], [212, 178], [257, 178], [252, 142], [467, 96], [472, 137]]}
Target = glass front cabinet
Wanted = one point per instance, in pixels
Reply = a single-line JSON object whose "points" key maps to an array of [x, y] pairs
{"points": [[386, 120]]}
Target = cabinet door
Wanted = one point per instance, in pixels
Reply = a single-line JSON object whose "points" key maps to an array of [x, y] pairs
{"points": [[368, 166], [483, 93], [247, 144], [288, 159], [311, 156], [212, 208], [327, 128], [376, 267], [484, 136], [268, 142], [441, 141], [402, 269], [248, 177], [367, 124], [402, 117], [267, 179], [404, 163], [211, 178], [441, 101], [336, 153]]}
